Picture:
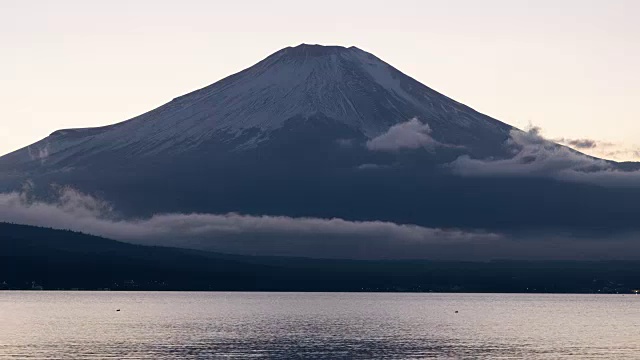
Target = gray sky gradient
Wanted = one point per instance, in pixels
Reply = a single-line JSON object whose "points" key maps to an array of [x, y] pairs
{"points": [[569, 66]]}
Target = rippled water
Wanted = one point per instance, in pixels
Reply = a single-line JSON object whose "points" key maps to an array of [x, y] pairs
{"points": [[67, 325]]}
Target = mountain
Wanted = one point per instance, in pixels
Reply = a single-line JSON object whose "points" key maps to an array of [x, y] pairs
{"points": [[326, 131], [347, 89], [54, 259]]}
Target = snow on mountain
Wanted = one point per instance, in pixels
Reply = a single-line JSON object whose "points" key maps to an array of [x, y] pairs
{"points": [[328, 131], [347, 85]]}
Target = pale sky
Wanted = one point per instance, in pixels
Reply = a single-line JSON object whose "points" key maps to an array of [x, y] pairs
{"points": [[568, 66]]}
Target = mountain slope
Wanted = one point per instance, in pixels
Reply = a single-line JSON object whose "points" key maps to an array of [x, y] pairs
{"points": [[314, 131], [345, 85]]}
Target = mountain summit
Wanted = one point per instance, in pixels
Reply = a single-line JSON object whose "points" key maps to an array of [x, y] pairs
{"points": [[326, 131]]}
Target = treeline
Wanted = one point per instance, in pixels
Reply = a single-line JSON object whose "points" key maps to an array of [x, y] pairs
{"points": [[32, 257]]}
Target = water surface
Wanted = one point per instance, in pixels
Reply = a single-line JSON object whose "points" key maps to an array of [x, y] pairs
{"points": [[68, 325]]}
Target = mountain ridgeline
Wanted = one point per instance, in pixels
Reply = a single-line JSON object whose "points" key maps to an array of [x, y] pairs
{"points": [[293, 134]]}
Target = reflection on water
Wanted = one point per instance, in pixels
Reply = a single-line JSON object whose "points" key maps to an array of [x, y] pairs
{"points": [[67, 325]]}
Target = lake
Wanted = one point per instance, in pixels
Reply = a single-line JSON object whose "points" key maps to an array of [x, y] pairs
{"points": [[168, 325]]}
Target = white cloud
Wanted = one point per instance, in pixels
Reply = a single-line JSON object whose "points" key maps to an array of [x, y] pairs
{"points": [[534, 156], [412, 134], [309, 237], [272, 235]]}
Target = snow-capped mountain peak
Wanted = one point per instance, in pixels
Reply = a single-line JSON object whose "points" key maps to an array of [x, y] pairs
{"points": [[346, 85], [327, 132]]}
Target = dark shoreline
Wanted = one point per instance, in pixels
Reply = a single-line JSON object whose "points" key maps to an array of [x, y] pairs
{"points": [[305, 292], [38, 258]]}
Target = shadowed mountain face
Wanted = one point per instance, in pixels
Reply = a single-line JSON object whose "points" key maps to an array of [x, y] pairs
{"points": [[324, 132]]}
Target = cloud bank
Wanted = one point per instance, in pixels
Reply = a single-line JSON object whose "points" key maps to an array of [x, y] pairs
{"points": [[307, 237], [412, 134], [235, 233], [535, 156]]}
